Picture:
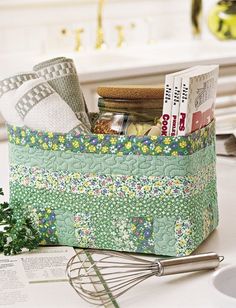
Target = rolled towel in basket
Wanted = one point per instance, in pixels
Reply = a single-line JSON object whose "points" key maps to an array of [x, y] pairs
{"points": [[8, 87], [40, 107], [61, 74]]}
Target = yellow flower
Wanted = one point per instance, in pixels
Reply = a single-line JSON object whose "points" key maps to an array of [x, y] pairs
{"points": [[54, 146], [177, 227], [176, 181], [92, 148], [187, 252], [167, 141], [112, 188], [168, 191], [174, 153], [147, 188], [61, 139], [120, 154], [17, 140], [104, 149], [188, 231], [23, 133], [153, 138], [113, 140], [182, 242], [9, 137], [86, 184], [158, 183], [125, 188], [32, 139], [128, 145], [133, 228], [75, 144], [40, 141], [45, 146], [50, 135], [158, 149], [100, 136], [144, 149], [183, 144]]}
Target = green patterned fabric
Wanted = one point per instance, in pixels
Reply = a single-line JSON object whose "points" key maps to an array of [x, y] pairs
{"points": [[109, 164], [114, 144], [150, 203]]}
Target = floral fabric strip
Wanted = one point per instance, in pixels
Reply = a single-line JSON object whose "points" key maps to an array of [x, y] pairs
{"points": [[47, 226], [184, 237], [104, 207], [114, 144], [168, 226], [133, 234], [84, 230], [109, 185]]}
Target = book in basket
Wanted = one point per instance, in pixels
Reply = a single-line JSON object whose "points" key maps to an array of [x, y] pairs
{"points": [[198, 97], [170, 104]]}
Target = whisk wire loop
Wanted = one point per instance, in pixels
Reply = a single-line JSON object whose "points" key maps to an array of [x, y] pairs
{"points": [[99, 277]]}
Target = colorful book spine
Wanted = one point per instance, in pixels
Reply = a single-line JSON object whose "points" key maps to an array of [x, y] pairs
{"points": [[183, 107], [175, 106], [167, 106]]}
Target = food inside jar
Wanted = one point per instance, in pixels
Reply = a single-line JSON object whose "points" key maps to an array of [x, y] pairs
{"points": [[124, 124]]}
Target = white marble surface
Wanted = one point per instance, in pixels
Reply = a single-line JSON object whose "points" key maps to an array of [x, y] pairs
{"points": [[187, 290], [156, 59]]}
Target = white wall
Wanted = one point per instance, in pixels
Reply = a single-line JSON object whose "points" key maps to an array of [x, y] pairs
{"points": [[35, 26]]}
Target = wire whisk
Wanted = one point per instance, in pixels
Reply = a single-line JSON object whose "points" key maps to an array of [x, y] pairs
{"points": [[99, 276]]}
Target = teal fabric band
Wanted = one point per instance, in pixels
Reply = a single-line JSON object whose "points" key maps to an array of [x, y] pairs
{"points": [[109, 164]]}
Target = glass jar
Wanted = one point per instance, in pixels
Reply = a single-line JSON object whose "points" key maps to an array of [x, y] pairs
{"points": [[222, 20], [128, 116]]}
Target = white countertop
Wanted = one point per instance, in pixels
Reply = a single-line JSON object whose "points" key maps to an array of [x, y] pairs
{"points": [[180, 291], [136, 61]]}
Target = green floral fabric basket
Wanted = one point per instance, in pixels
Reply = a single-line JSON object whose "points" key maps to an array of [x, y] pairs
{"points": [[139, 194]]}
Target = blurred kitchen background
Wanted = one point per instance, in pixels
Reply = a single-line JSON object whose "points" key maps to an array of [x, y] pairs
{"points": [[117, 41]]}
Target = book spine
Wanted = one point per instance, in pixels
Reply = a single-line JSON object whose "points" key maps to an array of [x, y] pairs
{"points": [[167, 106], [175, 106], [183, 108]]}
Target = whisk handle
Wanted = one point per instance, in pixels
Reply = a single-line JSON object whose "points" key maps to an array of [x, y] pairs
{"points": [[204, 261]]}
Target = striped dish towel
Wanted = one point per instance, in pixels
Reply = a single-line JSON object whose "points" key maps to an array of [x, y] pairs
{"points": [[41, 108], [61, 74], [8, 87]]}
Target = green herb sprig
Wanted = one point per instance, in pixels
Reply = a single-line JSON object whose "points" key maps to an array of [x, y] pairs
{"points": [[16, 234]]}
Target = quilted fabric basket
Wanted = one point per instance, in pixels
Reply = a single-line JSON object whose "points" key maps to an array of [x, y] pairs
{"points": [[139, 194]]}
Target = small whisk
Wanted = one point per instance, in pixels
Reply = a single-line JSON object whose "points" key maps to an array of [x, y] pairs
{"points": [[101, 276]]}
